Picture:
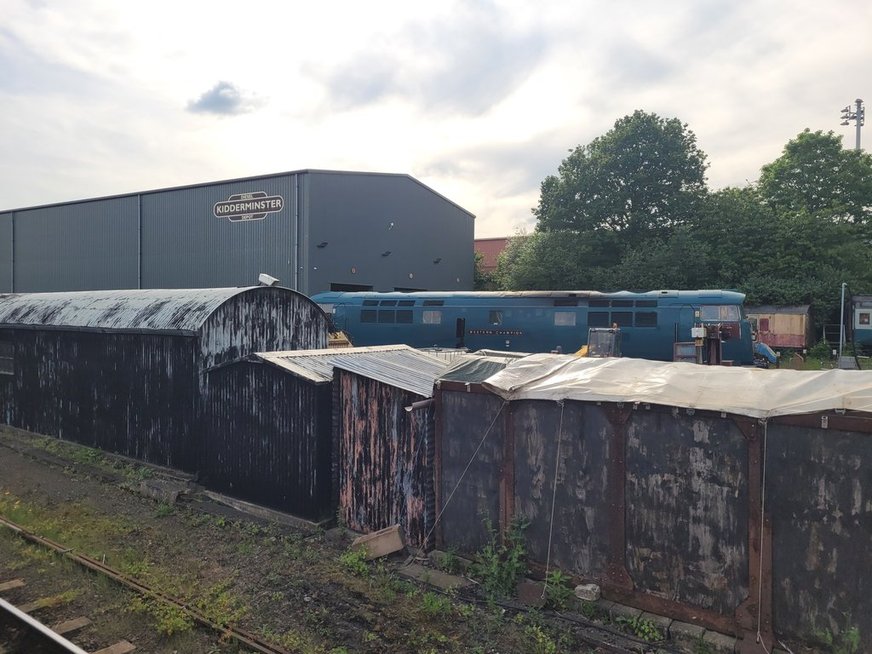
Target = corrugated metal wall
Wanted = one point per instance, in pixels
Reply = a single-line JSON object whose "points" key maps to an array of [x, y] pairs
{"points": [[171, 238], [87, 246], [819, 497], [6, 251], [363, 216], [464, 419], [267, 439], [185, 246], [667, 508], [262, 319], [133, 394], [385, 476]]}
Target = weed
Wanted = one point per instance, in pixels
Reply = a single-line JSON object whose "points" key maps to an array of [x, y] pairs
{"points": [[557, 590], [641, 628], [245, 548], [169, 619], [220, 606], [450, 562], [846, 642], [354, 561], [220, 521], [499, 566], [540, 641], [700, 646], [592, 611], [435, 605], [164, 510]]}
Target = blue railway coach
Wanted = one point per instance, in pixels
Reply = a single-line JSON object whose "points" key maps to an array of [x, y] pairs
{"points": [[540, 321]]}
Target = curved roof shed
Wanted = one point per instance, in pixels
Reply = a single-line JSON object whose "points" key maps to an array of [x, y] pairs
{"points": [[123, 370]]}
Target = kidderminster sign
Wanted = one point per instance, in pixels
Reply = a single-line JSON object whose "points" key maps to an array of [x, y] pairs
{"points": [[248, 206]]}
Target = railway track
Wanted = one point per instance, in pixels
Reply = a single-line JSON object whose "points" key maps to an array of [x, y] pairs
{"points": [[21, 632], [241, 637]]}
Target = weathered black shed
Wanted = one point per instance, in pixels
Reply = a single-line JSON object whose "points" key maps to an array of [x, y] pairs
{"points": [[123, 370]]}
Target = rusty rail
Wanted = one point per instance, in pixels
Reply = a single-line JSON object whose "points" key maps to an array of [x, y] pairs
{"points": [[238, 635], [42, 630]]}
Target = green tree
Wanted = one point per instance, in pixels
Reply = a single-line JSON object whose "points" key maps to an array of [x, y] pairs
{"points": [[636, 182], [549, 261], [817, 175]]}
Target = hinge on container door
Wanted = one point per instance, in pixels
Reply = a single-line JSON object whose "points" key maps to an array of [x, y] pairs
{"points": [[825, 421]]}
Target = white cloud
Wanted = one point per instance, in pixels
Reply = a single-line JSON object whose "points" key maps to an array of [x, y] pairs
{"points": [[480, 100]]}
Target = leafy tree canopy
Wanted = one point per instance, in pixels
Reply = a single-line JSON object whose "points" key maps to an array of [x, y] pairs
{"points": [[641, 178], [816, 174]]}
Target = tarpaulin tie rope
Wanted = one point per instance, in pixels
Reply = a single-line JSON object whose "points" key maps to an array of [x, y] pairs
{"points": [[553, 496], [762, 533], [465, 470]]}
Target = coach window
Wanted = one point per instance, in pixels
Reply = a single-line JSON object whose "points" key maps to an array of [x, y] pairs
{"points": [[564, 319], [7, 357], [646, 319], [368, 315], [495, 317], [598, 319], [431, 317], [622, 318]]}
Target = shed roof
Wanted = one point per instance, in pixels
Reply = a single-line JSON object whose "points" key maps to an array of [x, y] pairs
{"points": [[174, 310], [476, 367], [795, 309], [316, 366], [743, 391], [408, 369]]}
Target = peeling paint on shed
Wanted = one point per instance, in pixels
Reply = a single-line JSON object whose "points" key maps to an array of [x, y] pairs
{"points": [[122, 370]]}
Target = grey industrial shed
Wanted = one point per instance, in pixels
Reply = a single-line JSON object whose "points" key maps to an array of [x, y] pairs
{"points": [[123, 370], [315, 230]]}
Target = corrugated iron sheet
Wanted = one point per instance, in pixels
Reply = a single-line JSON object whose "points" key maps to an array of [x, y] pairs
{"points": [[385, 458], [410, 370], [316, 366], [177, 310]]}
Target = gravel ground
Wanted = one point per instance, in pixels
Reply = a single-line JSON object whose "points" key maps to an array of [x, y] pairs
{"points": [[293, 587]]}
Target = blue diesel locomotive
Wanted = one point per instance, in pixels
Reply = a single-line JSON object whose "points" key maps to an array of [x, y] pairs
{"points": [[540, 321]]}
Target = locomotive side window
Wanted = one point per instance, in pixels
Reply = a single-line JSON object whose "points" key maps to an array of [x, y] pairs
{"points": [[863, 318], [431, 317], [495, 317], [646, 319], [404, 316], [598, 319], [564, 319], [622, 318], [368, 315]]}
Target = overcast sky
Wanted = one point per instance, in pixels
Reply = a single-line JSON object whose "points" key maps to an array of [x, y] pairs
{"points": [[478, 100]]}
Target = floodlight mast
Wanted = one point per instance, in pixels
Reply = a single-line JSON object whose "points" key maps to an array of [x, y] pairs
{"points": [[858, 116]]}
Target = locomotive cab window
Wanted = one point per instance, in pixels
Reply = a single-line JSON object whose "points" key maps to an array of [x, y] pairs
{"points": [[719, 312], [7, 357]]}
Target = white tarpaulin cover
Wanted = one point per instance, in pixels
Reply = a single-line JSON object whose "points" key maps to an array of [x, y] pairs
{"points": [[744, 391]]}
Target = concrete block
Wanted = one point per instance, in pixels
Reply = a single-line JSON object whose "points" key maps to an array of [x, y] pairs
{"points": [[685, 632], [719, 643], [587, 592], [660, 621], [623, 611], [433, 577]]}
